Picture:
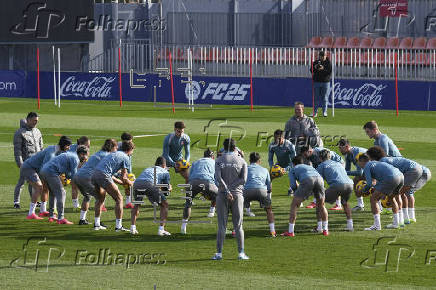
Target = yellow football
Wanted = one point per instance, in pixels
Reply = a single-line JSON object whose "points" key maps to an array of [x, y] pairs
{"points": [[183, 164], [277, 171]]}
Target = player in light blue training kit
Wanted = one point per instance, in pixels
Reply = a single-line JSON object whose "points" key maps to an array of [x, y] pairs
{"points": [[351, 156], [126, 137], [382, 140], [201, 180], [74, 190], [149, 184], [425, 177], [67, 164], [310, 183], [282, 148], [30, 169], [388, 182], [104, 181], [258, 187], [172, 149], [340, 185], [83, 177], [312, 155], [412, 172]]}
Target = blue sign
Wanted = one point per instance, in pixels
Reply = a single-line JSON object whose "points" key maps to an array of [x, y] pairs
{"points": [[357, 94]]}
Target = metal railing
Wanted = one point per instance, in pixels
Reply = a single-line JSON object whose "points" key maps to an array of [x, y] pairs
{"points": [[409, 64]]}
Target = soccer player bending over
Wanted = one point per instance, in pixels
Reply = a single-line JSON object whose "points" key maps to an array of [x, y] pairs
{"points": [[312, 156], [201, 180], [104, 181], [388, 182], [231, 175], [66, 164], [148, 184], [126, 137], [83, 177], [172, 149], [352, 154], [30, 169], [84, 141], [340, 185], [425, 177], [310, 183], [412, 172], [258, 187]]}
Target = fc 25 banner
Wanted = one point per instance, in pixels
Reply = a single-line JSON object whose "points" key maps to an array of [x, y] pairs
{"points": [[357, 94]]}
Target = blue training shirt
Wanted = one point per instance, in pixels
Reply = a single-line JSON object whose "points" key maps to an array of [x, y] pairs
{"points": [[333, 172], [299, 173], [350, 158], [66, 163], [403, 164], [172, 148], [314, 158], [162, 175], [284, 153], [38, 160], [88, 168], [388, 145], [203, 169], [257, 177], [113, 162], [379, 171]]}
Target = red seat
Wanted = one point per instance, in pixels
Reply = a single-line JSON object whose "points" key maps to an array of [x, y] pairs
{"points": [[419, 43], [406, 43], [366, 42], [431, 43], [314, 42], [393, 43], [340, 42], [327, 42], [379, 43], [353, 42]]}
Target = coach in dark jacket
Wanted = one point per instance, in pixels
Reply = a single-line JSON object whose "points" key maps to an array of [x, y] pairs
{"points": [[27, 142], [322, 74]]}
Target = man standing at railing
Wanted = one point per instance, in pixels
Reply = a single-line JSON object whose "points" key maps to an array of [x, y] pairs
{"points": [[321, 71]]}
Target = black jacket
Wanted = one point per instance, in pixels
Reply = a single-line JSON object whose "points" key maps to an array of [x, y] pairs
{"points": [[324, 75]]}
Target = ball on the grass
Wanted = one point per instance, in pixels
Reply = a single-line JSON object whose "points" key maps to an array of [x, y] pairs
{"points": [[183, 164], [277, 171]]}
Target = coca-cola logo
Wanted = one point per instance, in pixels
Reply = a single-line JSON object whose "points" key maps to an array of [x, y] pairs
{"points": [[368, 95], [98, 87]]}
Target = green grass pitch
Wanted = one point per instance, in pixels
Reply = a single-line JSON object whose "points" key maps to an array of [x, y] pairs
{"points": [[306, 261]]}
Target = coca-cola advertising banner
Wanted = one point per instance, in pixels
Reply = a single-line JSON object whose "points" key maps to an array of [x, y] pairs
{"points": [[393, 8], [357, 94]]}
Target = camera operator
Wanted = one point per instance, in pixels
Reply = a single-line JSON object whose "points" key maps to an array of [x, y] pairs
{"points": [[322, 73]]}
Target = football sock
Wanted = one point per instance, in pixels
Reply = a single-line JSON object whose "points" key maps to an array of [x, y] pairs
{"points": [[272, 227], [400, 217], [161, 228], [360, 202], [75, 202], [406, 213], [32, 208], [128, 200], [184, 224], [338, 202], [325, 225], [291, 228], [212, 209], [133, 228], [83, 214], [319, 226], [395, 219], [97, 221], [380, 205], [377, 220], [247, 210], [118, 223], [412, 212], [314, 200], [43, 207], [350, 224]]}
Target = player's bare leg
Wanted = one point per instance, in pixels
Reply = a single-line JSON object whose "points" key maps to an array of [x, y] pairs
{"points": [[75, 195], [99, 201], [322, 212], [375, 197], [113, 191], [270, 218], [37, 189], [295, 204]]}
